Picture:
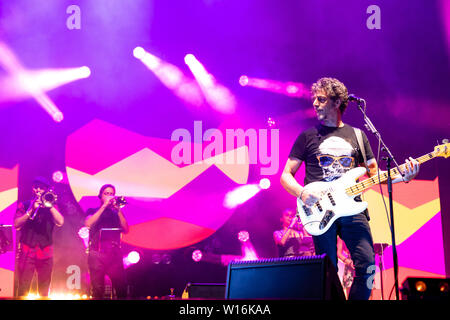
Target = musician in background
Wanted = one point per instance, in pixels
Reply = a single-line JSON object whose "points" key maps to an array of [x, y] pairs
{"points": [[292, 240], [35, 223], [329, 150], [105, 256]]}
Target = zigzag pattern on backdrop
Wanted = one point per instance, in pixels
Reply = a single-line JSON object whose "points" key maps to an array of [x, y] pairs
{"points": [[161, 195]]}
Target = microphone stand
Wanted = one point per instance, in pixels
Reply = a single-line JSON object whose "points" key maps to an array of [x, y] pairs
{"points": [[390, 158]]}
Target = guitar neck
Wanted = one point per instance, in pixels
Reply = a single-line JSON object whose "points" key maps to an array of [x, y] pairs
{"points": [[380, 178]]}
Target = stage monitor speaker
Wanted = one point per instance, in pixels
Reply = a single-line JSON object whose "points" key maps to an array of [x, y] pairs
{"points": [[425, 289], [302, 278], [204, 291]]}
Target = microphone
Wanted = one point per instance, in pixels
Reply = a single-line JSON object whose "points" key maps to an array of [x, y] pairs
{"points": [[352, 97]]}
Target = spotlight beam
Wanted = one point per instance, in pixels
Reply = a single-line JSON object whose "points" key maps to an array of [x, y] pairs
{"points": [[172, 77], [240, 195], [19, 86], [218, 96], [23, 83], [291, 89], [11, 64]]}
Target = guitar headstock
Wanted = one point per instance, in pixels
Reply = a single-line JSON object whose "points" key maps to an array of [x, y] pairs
{"points": [[442, 150]]}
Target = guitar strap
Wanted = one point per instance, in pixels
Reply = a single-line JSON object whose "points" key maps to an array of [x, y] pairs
{"points": [[361, 146]]}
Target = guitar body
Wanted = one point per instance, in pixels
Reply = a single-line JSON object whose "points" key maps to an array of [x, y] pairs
{"points": [[334, 202]]}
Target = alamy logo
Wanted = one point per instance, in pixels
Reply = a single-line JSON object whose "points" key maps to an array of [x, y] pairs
{"points": [[74, 279], [74, 20], [374, 20], [263, 147]]}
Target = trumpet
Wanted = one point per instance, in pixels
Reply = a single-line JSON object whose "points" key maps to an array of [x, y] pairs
{"points": [[120, 201], [48, 199]]}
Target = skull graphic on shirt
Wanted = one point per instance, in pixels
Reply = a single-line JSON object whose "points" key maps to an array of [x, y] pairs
{"points": [[338, 152]]}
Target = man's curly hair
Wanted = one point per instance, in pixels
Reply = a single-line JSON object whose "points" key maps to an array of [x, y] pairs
{"points": [[334, 90]]}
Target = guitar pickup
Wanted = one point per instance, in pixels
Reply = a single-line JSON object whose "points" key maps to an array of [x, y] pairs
{"points": [[319, 206], [326, 218], [331, 199], [307, 210]]}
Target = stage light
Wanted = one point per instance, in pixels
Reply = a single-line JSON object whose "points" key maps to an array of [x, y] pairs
{"points": [[84, 72], [32, 296], [240, 195], [243, 236], [425, 289], [172, 77], [421, 286], [247, 249], [271, 122], [166, 258], [292, 89], [133, 257], [138, 52], [83, 233], [23, 83], [66, 296], [198, 70], [57, 176], [243, 80], [264, 183], [189, 58], [197, 255], [58, 116], [156, 258]]}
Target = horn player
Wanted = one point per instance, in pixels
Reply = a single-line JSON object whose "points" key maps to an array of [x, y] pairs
{"points": [[35, 223]]}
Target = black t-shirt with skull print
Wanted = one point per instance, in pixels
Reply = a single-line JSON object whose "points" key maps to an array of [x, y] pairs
{"points": [[329, 152]]}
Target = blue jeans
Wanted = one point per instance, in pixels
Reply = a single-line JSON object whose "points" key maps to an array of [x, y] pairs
{"points": [[355, 231]]}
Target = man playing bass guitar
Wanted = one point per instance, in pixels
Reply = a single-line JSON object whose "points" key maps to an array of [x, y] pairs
{"points": [[329, 150]]}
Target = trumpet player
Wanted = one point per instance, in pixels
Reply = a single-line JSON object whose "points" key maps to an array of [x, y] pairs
{"points": [[292, 240], [105, 257], [35, 219]]}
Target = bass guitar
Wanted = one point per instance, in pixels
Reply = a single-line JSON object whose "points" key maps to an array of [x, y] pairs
{"points": [[337, 198]]}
